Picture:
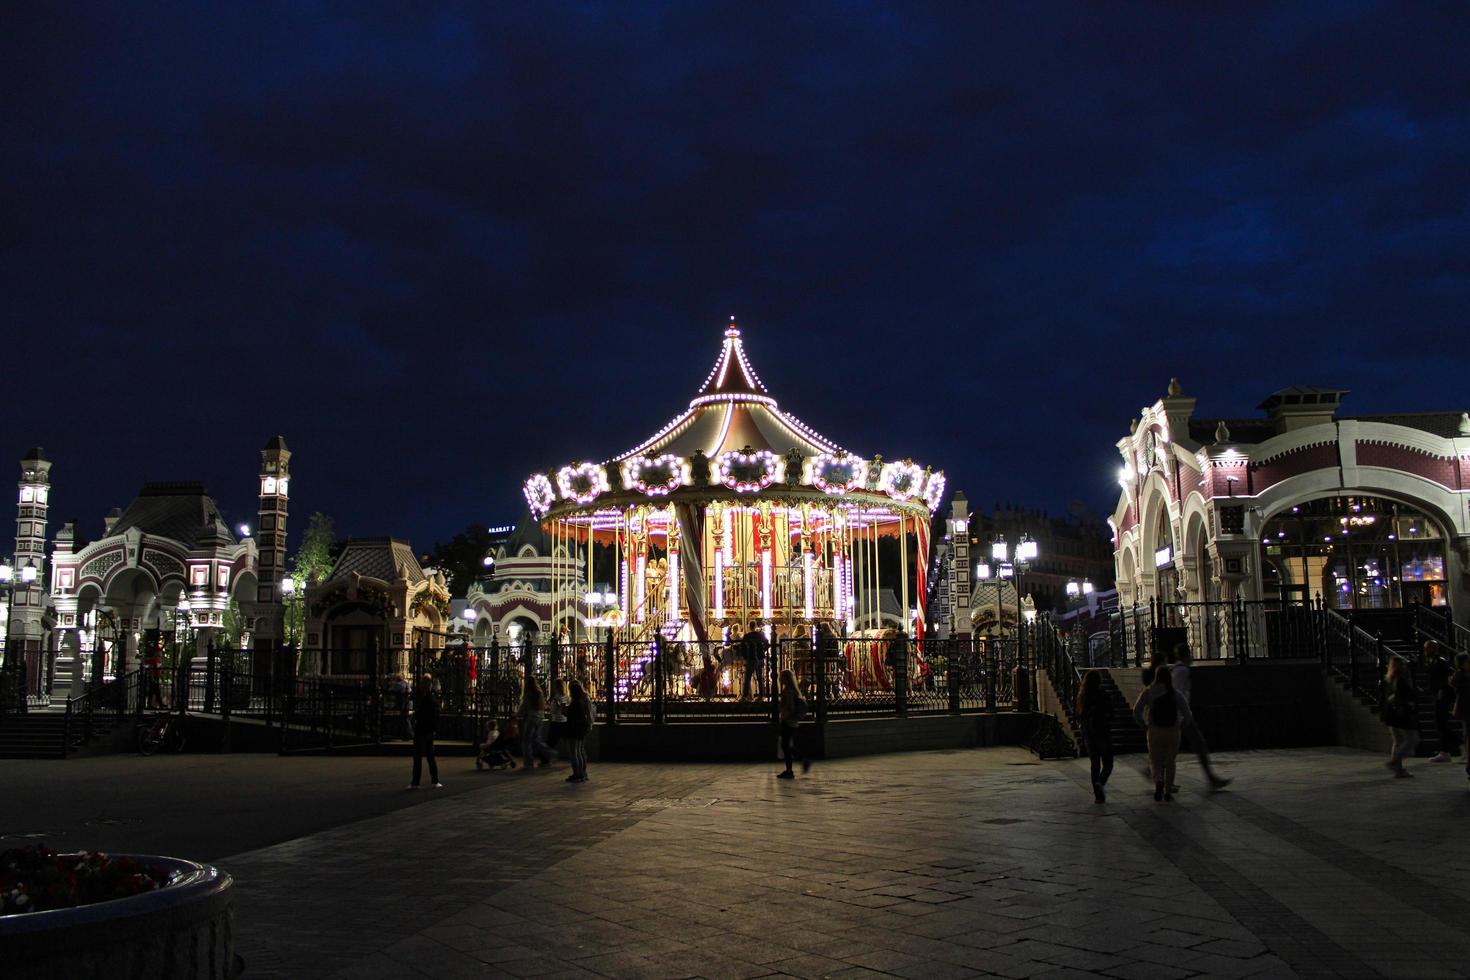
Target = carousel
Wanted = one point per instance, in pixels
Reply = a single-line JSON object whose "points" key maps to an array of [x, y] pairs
{"points": [[736, 516]]}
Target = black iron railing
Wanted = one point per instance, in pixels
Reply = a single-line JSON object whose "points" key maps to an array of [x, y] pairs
{"points": [[1431, 623], [1354, 654]]}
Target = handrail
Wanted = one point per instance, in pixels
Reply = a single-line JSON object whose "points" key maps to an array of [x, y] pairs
{"points": [[1430, 624], [1354, 654], [1056, 658]]}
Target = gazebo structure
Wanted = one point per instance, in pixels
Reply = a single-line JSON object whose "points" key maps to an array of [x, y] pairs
{"points": [[735, 515]]}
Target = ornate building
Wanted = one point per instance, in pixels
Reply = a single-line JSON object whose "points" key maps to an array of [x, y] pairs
{"points": [[1363, 512], [170, 545], [378, 601]]}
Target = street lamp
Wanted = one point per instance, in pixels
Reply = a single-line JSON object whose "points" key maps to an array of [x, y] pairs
{"points": [[8, 576], [1021, 556], [1079, 590]]}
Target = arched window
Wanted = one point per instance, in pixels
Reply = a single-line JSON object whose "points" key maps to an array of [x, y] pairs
{"points": [[1355, 552], [1164, 557]]}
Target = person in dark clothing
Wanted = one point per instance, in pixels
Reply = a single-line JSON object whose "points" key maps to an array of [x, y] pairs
{"points": [[1442, 693], [1400, 711], [1095, 712], [792, 711], [425, 721], [753, 647], [580, 713]]}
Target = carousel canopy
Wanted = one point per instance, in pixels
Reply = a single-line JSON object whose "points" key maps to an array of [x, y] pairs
{"points": [[732, 437]]}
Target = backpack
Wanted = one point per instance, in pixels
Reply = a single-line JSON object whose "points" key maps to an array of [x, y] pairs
{"points": [[1165, 711]]}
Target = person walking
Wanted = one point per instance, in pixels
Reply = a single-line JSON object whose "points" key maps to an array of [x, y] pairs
{"points": [[580, 715], [1179, 674], [1401, 713], [533, 713], [1095, 712], [1163, 713], [425, 722], [792, 710], [1460, 710], [1442, 693]]}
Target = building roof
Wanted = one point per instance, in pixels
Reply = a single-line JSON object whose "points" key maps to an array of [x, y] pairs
{"points": [[1443, 424], [171, 510], [387, 559], [1446, 425], [528, 532], [733, 411]]}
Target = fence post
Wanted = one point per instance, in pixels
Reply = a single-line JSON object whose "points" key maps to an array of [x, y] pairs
{"points": [[209, 669], [327, 718], [822, 651], [900, 651], [658, 679], [952, 648], [991, 666], [227, 685], [610, 680], [1021, 682]]}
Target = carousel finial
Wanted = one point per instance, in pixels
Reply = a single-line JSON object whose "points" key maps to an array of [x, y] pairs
{"points": [[732, 330]]}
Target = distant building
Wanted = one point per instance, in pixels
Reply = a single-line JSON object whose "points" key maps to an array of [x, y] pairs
{"points": [[378, 598], [1074, 548], [1363, 512]]}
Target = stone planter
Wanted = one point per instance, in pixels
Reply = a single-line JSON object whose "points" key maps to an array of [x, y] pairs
{"points": [[183, 930]]}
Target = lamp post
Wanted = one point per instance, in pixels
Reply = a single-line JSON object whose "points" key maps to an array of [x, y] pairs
{"points": [[1013, 562], [8, 576]]}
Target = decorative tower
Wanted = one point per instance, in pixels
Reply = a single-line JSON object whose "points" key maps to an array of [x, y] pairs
{"points": [[270, 539], [23, 632]]}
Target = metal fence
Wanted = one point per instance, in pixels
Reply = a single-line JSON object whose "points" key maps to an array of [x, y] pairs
{"points": [[1238, 630]]}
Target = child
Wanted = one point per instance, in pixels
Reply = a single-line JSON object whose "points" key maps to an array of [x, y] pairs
{"points": [[497, 750]]}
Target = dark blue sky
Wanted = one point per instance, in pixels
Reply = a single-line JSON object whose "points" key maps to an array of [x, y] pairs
{"points": [[439, 248]]}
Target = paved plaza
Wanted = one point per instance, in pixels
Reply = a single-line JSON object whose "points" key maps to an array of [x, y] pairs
{"points": [[939, 864]]}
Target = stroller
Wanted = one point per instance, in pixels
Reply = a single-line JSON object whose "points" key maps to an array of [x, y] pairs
{"points": [[498, 750]]}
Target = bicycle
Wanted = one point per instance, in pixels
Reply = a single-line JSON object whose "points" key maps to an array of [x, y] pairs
{"points": [[164, 730]]}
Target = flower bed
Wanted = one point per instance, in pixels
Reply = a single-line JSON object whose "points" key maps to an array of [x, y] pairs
{"points": [[90, 915], [37, 879]]}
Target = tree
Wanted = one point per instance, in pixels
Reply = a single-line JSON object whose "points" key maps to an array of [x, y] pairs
{"points": [[462, 559], [312, 563]]}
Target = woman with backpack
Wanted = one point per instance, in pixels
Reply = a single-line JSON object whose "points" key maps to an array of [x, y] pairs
{"points": [[792, 711], [1164, 714], [1401, 713], [579, 715], [1096, 714]]}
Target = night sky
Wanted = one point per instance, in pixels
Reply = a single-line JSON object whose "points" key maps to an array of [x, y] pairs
{"points": [[438, 249]]}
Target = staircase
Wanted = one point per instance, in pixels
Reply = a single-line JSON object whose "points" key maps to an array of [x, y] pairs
{"points": [[43, 734], [1127, 736]]}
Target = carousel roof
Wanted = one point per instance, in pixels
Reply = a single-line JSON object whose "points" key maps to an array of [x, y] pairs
{"points": [[735, 427], [733, 411]]}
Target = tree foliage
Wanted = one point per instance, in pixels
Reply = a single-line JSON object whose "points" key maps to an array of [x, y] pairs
{"points": [[312, 563], [462, 558]]}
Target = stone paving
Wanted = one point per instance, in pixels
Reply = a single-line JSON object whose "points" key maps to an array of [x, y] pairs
{"points": [[932, 865]]}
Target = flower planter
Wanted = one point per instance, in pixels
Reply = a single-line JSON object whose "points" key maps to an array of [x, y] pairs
{"points": [[182, 930]]}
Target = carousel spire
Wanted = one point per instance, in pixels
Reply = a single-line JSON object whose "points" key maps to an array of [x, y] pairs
{"points": [[732, 374]]}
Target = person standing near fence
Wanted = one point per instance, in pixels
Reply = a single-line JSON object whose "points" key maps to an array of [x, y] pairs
{"points": [[792, 713], [1442, 694], [425, 723], [1163, 713], [580, 715], [753, 646], [1179, 674], [1096, 714], [533, 713], [1400, 712]]}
